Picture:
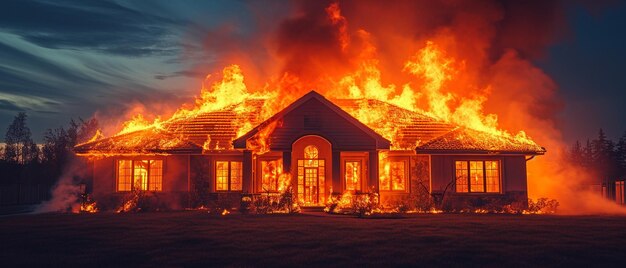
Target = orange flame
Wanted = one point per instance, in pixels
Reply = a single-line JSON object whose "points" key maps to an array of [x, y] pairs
{"points": [[432, 76]]}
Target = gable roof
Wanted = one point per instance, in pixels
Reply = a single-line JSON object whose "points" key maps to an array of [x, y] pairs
{"points": [[410, 131], [381, 142]]}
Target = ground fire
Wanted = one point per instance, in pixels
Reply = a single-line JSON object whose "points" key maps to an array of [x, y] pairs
{"points": [[436, 99]]}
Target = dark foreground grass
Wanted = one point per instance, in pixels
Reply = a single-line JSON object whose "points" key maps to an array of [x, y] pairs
{"points": [[194, 238]]}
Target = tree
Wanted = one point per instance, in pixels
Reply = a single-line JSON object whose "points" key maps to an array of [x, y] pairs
{"points": [[20, 147], [87, 130], [576, 154], [587, 159], [59, 143], [82, 131], [56, 146], [602, 156], [620, 156]]}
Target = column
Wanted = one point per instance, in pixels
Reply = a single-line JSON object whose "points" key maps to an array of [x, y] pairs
{"points": [[336, 174], [247, 171], [373, 170]]}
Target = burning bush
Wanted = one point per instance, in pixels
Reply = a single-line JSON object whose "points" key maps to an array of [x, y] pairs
{"points": [[358, 203], [271, 203], [542, 206], [141, 201], [88, 204]]}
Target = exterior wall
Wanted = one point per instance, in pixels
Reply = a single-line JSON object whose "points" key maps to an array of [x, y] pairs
{"points": [[103, 177], [175, 181], [223, 199], [418, 180], [513, 182], [315, 118]]}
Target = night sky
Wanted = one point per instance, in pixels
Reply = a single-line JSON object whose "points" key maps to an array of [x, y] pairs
{"points": [[65, 59]]}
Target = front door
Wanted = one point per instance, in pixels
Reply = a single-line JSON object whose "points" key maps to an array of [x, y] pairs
{"points": [[311, 186], [311, 165]]}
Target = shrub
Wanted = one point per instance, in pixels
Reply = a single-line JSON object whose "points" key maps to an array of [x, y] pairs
{"points": [[542, 206]]}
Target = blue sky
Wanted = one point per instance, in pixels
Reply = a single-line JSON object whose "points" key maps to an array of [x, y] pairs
{"points": [[65, 59], [589, 67]]}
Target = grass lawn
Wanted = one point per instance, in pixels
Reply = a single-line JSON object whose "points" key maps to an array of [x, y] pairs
{"points": [[195, 238]]}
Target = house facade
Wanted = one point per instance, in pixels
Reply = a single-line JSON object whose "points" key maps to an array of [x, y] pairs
{"points": [[316, 148]]}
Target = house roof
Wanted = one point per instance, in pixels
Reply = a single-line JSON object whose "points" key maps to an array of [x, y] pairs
{"points": [[381, 142], [469, 141], [218, 127], [147, 141], [410, 130]]}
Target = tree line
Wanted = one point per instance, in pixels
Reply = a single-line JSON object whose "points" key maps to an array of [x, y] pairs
{"points": [[603, 158], [22, 161]]}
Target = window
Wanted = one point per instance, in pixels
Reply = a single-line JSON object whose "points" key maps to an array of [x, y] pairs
{"points": [[145, 175], [396, 178], [270, 170], [311, 177], [477, 176], [353, 175], [311, 152], [228, 175], [124, 175], [492, 175], [461, 176]]}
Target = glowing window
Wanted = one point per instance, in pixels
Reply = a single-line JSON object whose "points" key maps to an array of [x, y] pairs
{"points": [[353, 175], [398, 176], [477, 176], [142, 175], [311, 177], [228, 175], [155, 175], [393, 176], [311, 152], [492, 175], [270, 170], [236, 176], [461, 176], [124, 175]]}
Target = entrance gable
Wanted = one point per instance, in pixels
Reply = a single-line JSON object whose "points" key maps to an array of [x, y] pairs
{"points": [[315, 115]]}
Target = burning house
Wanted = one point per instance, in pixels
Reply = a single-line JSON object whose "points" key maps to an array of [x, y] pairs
{"points": [[316, 148]]}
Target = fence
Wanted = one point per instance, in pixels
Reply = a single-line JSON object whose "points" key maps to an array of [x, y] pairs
{"points": [[23, 194]]}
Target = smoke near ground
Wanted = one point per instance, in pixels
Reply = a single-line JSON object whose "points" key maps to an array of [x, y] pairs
{"points": [[67, 193]]}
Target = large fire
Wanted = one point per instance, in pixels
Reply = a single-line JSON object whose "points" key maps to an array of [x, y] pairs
{"points": [[452, 71]]}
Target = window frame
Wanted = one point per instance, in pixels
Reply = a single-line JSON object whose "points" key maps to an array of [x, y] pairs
{"points": [[304, 163], [468, 171], [149, 169], [360, 185], [407, 179], [229, 175], [259, 173]]}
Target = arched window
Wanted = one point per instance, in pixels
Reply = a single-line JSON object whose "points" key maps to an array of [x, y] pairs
{"points": [[311, 152]]}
